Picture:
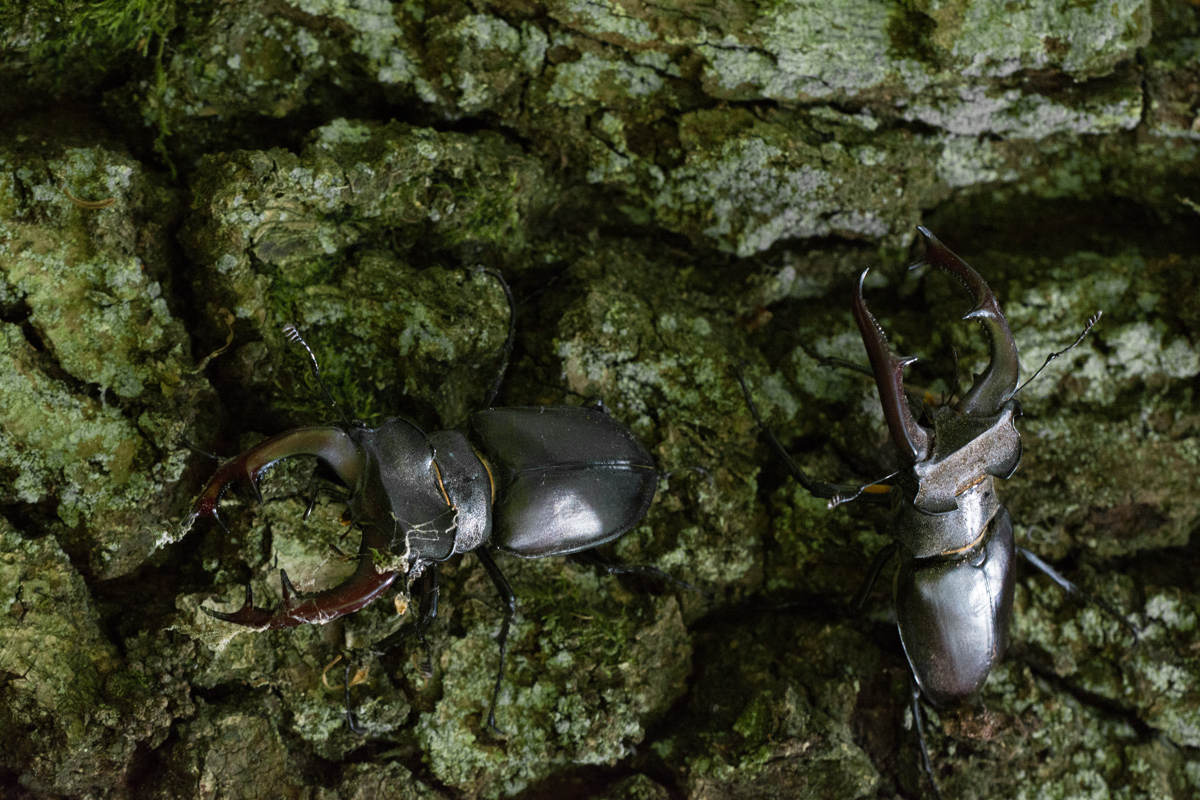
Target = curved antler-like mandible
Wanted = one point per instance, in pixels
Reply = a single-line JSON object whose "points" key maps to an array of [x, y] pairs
{"points": [[344, 456], [332, 445], [998, 383], [349, 596], [910, 438]]}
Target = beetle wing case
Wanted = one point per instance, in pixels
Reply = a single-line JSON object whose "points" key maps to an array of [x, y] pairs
{"points": [[567, 478], [954, 614]]}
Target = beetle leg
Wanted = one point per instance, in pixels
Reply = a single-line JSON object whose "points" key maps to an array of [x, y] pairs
{"points": [[293, 335], [351, 717], [910, 438], [833, 362], [597, 404], [510, 609], [508, 339], [815, 488], [915, 697], [881, 559], [998, 382], [427, 613], [1073, 589], [190, 445], [642, 570]]}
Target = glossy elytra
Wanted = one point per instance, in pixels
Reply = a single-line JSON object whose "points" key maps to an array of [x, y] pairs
{"points": [[953, 538]]}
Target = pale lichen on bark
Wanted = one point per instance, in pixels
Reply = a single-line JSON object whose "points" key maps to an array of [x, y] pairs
{"points": [[671, 188]]}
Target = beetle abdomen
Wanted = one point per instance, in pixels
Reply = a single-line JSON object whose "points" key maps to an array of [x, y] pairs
{"points": [[954, 615], [567, 478]]}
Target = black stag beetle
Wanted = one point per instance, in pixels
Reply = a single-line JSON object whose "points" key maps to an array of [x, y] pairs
{"points": [[955, 578], [531, 481]]}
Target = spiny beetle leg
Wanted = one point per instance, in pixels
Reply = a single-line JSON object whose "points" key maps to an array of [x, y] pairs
{"points": [[594, 559], [819, 489], [915, 698], [510, 609], [1073, 589], [430, 591], [881, 559]]}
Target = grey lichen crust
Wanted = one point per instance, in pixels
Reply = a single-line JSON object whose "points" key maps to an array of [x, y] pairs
{"points": [[98, 379], [75, 711], [674, 191]]}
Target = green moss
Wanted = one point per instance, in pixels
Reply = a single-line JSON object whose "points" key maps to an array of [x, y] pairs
{"points": [[608, 20], [73, 716], [570, 692], [977, 110], [638, 348], [85, 276], [1078, 752], [819, 551], [100, 35], [286, 251], [761, 711], [232, 752], [655, 182], [591, 76], [365, 781]]}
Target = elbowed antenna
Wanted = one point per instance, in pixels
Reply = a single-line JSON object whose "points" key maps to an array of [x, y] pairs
{"points": [[292, 333], [910, 438], [998, 383]]}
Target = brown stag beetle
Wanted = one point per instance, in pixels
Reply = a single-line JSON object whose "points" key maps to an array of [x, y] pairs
{"points": [[955, 578], [530, 481]]}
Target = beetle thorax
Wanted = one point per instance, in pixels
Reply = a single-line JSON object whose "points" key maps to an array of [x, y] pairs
{"points": [[966, 449], [949, 533], [945, 503]]}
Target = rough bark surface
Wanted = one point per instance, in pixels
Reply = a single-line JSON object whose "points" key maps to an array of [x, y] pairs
{"points": [[672, 189]]}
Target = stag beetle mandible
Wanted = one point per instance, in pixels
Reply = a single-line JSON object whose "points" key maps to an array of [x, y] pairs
{"points": [[531, 481], [955, 579]]}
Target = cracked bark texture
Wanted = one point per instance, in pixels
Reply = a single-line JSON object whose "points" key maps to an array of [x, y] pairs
{"points": [[671, 189]]}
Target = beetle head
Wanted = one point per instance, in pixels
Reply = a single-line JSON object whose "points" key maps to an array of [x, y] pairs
{"points": [[405, 519], [967, 443]]}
